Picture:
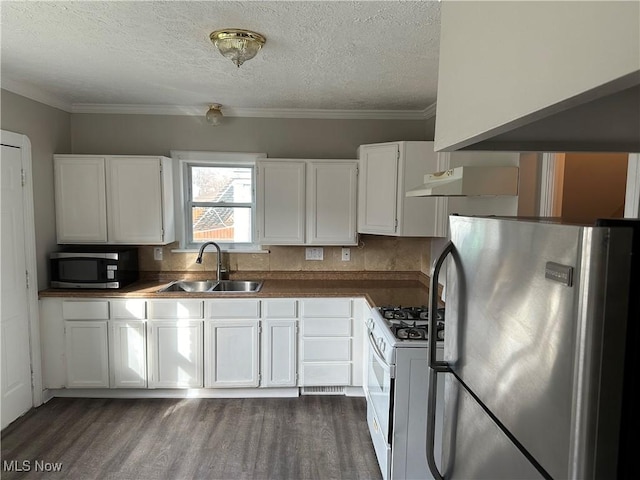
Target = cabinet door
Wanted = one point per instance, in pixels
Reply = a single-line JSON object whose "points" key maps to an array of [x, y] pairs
{"points": [[378, 188], [135, 199], [174, 353], [87, 354], [80, 196], [128, 353], [231, 353], [331, 202], [52, 343], [279, 353], [281, 202]]}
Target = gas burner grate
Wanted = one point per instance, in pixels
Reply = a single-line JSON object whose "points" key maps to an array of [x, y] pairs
{"points": [[409, 313]]}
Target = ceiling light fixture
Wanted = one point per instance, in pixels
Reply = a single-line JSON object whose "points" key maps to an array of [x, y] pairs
{"points": [[237, 45], [214, 115]]}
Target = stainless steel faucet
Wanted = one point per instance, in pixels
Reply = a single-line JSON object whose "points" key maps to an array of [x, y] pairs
{"points": [[219, 263]]}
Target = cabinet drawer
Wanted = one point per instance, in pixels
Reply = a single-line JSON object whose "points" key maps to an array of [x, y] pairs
{"points": [[319, 374], [82, 310], [128, 309], [280, 308], [231, 308], [326, 307], [171, 309], [326, 350], [326, 327]]}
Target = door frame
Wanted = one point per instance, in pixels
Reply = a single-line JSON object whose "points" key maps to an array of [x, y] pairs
{"points": [[632, 196], [552, 179], [22, 142]]}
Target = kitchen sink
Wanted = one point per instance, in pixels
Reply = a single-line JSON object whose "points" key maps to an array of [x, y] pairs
{"points": [[189, 286], [237, 286], [211, 286]]}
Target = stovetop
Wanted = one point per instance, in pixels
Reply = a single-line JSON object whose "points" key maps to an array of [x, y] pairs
{"points": [[412, 323]]}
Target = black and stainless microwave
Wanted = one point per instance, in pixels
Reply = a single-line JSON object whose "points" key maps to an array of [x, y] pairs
{"points": [[98, 268]]}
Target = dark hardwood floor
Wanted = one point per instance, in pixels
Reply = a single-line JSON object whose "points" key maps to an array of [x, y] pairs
{"points": [[310, 437]]}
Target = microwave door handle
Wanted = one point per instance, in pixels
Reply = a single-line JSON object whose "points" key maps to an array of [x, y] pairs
{"points": [[435, 365]]}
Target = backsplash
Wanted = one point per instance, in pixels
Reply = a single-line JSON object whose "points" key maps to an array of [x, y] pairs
{"points": [[374, 253]]}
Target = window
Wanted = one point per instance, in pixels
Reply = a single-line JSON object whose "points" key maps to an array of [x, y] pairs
{"points": [[215, 198], [219, 203]]}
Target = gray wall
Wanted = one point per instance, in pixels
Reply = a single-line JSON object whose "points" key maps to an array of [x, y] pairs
{"points": [[278, 137], [49, 130]]}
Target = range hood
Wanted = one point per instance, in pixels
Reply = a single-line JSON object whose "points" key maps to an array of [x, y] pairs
{"points": [[469, 181]]}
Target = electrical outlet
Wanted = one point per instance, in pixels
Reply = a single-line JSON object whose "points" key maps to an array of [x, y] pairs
{"points": [[314, 253], [346, 254], [157, 253]]}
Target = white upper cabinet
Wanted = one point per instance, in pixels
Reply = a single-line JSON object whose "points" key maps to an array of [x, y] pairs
{"points": [[280, 201], [331, 208], [81, 201], [387, 172], [307, 202], [135, 200], [114, 199]]}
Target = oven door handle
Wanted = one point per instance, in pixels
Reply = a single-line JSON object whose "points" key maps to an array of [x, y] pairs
{"points": [[435, 366], [380, 357]]}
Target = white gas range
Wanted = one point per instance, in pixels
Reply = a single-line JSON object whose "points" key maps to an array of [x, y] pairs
{"points": [[396, 389]]}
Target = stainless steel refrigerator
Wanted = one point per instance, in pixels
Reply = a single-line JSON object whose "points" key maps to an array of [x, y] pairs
{"points": [[539, 361]]}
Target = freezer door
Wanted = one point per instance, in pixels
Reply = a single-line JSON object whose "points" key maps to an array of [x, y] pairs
{"points": [[478, 449], [531, 323]]}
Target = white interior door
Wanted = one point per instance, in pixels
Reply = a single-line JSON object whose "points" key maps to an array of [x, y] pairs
{"points": [[14, 318]]}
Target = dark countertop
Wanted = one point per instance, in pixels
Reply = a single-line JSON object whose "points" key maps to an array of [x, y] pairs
{"points": [[393, 290]]}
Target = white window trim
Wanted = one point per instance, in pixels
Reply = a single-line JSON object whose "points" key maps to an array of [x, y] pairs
{"points": [[183, 157]]}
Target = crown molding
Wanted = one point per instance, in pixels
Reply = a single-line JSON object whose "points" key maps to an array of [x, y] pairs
{"points": [[197, 110], [430, 111], [34, 93]]}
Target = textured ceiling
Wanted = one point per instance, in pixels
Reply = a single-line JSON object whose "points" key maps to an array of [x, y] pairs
{"points": [[353, 55]]}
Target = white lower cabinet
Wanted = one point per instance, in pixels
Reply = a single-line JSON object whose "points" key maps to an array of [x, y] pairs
{"points": [[232, 343], [86, 353], [174, 343], [279, 338], [196, 343], [128, 353], [280, 342], [175, 353], [326, 354], [232, 353]]}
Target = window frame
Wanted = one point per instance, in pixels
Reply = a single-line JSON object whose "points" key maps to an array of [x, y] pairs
{"points": [[183, 163]]}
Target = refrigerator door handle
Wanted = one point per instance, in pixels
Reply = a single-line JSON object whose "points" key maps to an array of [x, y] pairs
{"points": [[435, 365]]}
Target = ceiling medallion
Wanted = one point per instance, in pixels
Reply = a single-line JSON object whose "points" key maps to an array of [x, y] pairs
{"points": [[237, 45]]}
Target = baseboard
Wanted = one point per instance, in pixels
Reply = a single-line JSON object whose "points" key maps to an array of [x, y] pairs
{"points": [[354, 392], [175, 393]]}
